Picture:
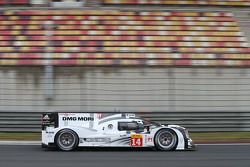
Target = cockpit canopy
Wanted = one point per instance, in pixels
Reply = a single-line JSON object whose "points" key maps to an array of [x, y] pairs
{"points": [[128, 126]]}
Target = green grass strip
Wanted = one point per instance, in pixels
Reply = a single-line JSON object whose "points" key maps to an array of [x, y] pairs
{"points": [[198, 137], [20, 136], [221, 137]]}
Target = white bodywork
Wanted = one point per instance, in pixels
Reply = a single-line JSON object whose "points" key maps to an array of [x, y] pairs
{"points": [[101, 130]]}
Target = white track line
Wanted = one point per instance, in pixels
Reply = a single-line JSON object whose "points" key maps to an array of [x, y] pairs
{"points": [[20, 143], [225, 144], [17, 143]]}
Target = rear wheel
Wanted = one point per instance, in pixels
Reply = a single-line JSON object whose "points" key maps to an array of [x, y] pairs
{"points": [[66, 140], [166, 140]]}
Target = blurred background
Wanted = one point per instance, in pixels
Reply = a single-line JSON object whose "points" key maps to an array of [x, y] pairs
{"points": [[175, 62]]}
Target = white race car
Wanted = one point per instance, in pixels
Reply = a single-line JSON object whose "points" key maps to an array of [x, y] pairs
{"points": [[68, 131]]}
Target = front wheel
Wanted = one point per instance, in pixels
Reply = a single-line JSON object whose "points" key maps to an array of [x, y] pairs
{"points": [[66, 140], [166, 140]]}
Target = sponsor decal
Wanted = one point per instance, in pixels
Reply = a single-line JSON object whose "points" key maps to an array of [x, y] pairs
{"points": [[46, 117], [66, 114], [110, 126], [130, 115], [136, 140], [77, 118], [149, 139], [99, 116], [98, 139], [123, 135], [49, 135], [46, 120]]}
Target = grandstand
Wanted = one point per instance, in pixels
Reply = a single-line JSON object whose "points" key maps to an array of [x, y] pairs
{"points": [[175, 59], [114, 37]]}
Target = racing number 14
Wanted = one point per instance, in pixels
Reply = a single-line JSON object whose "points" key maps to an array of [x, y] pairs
{"points": [[136, 140]]}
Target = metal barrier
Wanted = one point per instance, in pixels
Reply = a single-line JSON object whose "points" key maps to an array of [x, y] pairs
{"points": [[20, 121], [205, 121], [194, 121]]}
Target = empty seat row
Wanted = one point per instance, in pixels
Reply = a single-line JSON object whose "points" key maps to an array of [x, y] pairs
{"points": [[241, 39], [119, 22], [134, 49], [121, 27], [14, 2], [150, 2], [125, 62], [91, 13], [198, 56], [120, 18], [123, 32], [179, 2], [122, 44]]}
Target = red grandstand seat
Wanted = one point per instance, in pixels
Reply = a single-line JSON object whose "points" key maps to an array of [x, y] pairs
{"points": [[14, 2]]}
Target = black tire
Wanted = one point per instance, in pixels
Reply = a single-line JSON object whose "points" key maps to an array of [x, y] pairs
{"points": [[165, 140], [66, 140]]}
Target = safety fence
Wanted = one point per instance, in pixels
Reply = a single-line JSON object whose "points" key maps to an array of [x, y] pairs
{"points": [[194, 121]]}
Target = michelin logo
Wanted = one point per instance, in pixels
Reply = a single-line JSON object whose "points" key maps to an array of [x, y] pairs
{"points": [[77, 118], [99, 139]]}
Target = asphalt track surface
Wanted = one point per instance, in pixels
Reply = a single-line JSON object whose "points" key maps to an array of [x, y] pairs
{"points": [[205, 156]]}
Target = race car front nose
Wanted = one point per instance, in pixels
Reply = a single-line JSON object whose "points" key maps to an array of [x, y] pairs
{"points": [[191, 145]]}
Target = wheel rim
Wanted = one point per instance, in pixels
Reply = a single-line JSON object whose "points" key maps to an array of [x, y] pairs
{"points": [[166, 140], [66, 140]]}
